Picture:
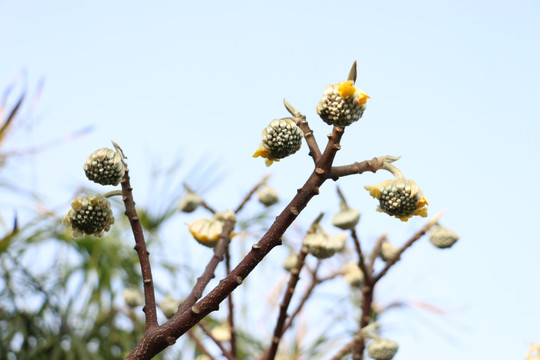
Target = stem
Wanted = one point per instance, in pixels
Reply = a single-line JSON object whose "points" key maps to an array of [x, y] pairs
{"points": [[250, 194], [376, 250], [408, 244], [230, 303], [287, 297], [207, 331], [140, 247], [112, 193], [200, 344], [302, 123], [361, 262]]}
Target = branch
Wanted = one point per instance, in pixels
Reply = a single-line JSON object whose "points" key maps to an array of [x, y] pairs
{"points": [[361, 262], [207, 331], [140, 246], [200, 344], [408, 244], [349, 347], [270, 353], [357, 168], [230, 303], [302, 123], [250, 194]]}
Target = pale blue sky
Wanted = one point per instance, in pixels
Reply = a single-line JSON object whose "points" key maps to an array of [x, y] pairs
{"points": [[454, 90]]}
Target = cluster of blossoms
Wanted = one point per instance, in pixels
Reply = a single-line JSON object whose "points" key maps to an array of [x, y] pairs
{"points": [[280, 139], [319, 244], [207, 230], [92, 214]]}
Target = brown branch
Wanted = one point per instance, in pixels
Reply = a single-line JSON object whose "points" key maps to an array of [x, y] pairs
{"points": [[270, 353], [412, 240], [250, 194], [349, 347], [230, 303], [200, 344], [209, 271], [219, 344], [140, 246], [302, 123], [187, 316], [361, 262], [357, 168]]}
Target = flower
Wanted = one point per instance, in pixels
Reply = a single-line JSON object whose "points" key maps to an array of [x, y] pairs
{"points": [[319, 244], [133, 297], [207, 230], [89, 215], [342, 104], [169, 306], [267, 196], [222, 332], [290, 262], [442, 238], [400, 198], [279, 139], [382, 349], [347, 218], [353, 274], [388, 251], [190, 202], [105, 167]]}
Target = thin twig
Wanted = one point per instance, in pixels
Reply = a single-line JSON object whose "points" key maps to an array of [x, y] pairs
{"points": [[250, 193], [270, 353], [405, 246], [361, 262], [349, 347], [302, 123], [219, 344], [140, 246], [200, 344]]}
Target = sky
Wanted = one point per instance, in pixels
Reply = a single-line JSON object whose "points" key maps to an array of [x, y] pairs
{"points": [[454, 89]]}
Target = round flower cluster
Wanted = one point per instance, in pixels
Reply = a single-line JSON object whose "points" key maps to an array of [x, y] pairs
{"points": [[442, 238], [267, 196], [90, 215], [207, 230], [400, 198], [342, 104], [319, 244], [382, 349], [279, 139], [105, 167]]}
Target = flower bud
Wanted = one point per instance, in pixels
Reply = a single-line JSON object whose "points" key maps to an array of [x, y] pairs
{"points": [[105, 167], [279, 139], [190, 202], [322, 246], [346, 219], [133, 297], [388, 251], [169, 306], [290, 262], [352, 274], [222, 332], [207, 231], [267, 196], [442, 238], [89, 215], [382, 349]]}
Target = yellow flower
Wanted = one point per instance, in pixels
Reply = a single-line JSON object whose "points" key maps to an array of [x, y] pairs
{"points": [[207, 231], [342, 104], [400, 198]]}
